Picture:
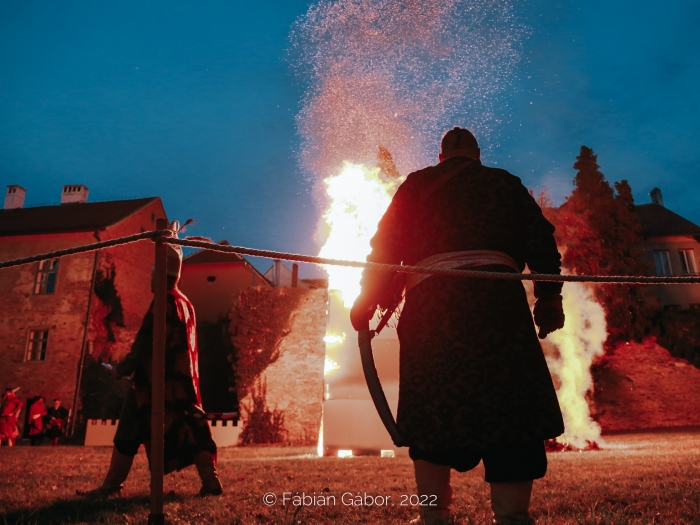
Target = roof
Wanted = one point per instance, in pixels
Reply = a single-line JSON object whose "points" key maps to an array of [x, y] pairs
{"points": [[658, 221], [212, 257], [64, 218]]}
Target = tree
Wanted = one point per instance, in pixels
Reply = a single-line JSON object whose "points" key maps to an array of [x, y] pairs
{"points": [[599, 232]]}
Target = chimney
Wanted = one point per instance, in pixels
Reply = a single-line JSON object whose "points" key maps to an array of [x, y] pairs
{"points": [[295, 275], [656, 197], [14, 198], [277, 276], [74, 193]]}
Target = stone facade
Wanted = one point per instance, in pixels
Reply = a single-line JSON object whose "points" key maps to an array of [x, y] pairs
{"points": [[63, 312], [295, 380]]}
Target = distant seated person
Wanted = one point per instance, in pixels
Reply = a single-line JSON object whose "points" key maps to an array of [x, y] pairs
{"points": [[56, 420], [37, 412], [9, 413]]}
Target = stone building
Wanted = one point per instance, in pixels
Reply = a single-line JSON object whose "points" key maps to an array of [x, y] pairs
{"points": [[54, 311], [214, 280], [671, 247]]}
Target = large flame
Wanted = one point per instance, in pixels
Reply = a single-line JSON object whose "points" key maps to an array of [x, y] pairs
{"points": [[579, 342], [358, 198]]}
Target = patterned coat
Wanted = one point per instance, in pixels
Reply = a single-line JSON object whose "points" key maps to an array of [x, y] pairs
{"points": [[36, 418], [472, 372], [186, 430]]}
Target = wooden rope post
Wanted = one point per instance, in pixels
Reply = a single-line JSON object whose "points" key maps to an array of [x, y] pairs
{"points": [[160, 272]]}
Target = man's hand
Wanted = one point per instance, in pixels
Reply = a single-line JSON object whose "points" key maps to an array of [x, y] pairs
{"points": [[113, 372], [360, 313], [549, 315]]}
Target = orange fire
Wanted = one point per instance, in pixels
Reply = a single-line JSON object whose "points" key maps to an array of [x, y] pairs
{"points": [[579, 342], [358, 197]]}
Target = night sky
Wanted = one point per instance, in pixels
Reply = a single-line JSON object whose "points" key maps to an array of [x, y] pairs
{"points": [[196, 102]]}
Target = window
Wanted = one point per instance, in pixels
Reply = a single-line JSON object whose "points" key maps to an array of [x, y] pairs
{"points": [[36, 345], [687, 262], [46, 277], [663, 262]]}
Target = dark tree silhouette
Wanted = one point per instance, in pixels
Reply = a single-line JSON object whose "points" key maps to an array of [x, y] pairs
{"points": [[599, 234]]}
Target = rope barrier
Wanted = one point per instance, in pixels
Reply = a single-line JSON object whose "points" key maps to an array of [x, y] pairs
{"points": [[164, 236], [431, 271], [87, 248]]}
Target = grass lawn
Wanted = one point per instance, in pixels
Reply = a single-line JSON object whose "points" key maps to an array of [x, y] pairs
{"points": [[635, 479]]}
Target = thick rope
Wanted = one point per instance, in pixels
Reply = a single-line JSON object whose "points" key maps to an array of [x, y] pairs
{"points": [[432, 271], [87, 248], [165, 236]]}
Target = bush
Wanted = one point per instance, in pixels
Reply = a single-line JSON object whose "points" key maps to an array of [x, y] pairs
{"points": [[262, 426], [679, 333]]}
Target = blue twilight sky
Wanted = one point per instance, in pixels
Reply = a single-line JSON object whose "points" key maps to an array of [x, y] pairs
{"points": [[195, 102]]}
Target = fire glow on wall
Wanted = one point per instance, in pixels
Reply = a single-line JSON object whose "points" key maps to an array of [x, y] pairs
{"points": [[358, 197]]}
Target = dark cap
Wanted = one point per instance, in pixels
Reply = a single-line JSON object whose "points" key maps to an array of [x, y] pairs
{"points": [[458, 140]]}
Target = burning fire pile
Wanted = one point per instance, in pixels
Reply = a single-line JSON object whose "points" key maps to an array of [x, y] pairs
{"points": [[575, 347], [358, 198]]}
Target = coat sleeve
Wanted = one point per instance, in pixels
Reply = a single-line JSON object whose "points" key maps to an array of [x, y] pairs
{"points": [[541, 253], [390, 245]]}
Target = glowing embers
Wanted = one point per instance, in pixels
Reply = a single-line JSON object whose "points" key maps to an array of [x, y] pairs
{"points": [[552, 445], [334, 339], [329, 366], [358, 197], [385, 453], [578, 343]]}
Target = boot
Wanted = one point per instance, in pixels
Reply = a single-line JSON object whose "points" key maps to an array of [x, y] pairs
{"points": [[119, 468], [433, 480], [206, 468], [510, 503]]}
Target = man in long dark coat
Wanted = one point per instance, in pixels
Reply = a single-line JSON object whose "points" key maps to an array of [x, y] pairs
{"points": [[187, 437], [474, 384]]}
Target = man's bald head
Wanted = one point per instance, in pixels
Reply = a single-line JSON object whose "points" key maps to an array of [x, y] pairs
{"points": [[459, 141]]}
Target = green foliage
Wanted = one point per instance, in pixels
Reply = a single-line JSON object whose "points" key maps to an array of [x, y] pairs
{"points": [[101, 395], [262, 426], [598, 232]]}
